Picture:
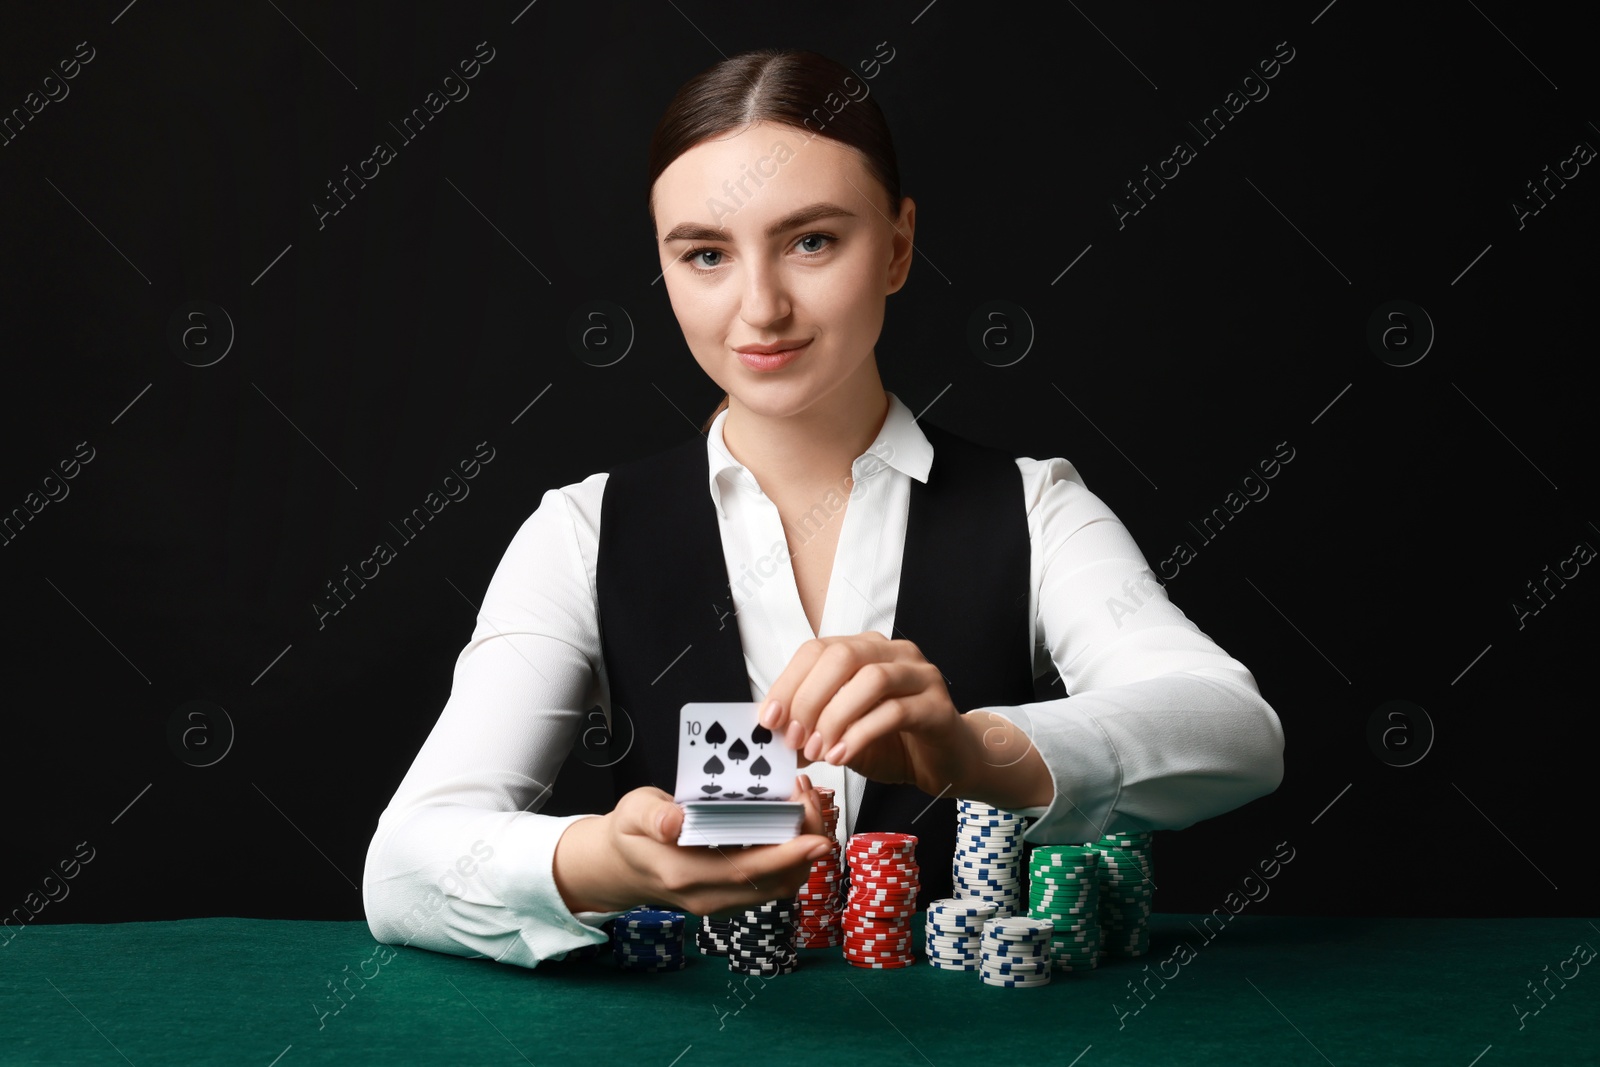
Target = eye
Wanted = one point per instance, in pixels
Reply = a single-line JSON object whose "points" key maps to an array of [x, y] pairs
{"points": [[689, 256], [817, 237]]}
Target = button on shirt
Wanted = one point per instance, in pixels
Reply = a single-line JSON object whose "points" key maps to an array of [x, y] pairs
{"points": [[1163, 728]]}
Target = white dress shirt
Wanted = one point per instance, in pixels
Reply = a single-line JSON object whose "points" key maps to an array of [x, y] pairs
{"points": [[1163, 728]]}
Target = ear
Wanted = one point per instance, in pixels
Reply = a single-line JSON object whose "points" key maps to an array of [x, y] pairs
{"points": [[901, 247]]}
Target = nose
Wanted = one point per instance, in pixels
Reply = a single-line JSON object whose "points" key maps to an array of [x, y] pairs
{"points": [[766, 298]]}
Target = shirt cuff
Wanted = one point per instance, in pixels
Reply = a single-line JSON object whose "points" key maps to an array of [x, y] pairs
{"points": [[527, 883], [497, 900], [1084, 770]]}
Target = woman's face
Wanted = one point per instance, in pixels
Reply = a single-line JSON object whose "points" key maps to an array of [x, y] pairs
{"points": [[768, 238]]}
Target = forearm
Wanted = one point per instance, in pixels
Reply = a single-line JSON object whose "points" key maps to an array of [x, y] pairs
{"points": [[1004, 767]]}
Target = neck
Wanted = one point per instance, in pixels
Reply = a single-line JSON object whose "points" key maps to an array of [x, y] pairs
{"points": [[805, 449]]}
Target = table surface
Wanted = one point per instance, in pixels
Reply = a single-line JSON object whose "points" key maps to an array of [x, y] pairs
{"points": [[1258, 990]]}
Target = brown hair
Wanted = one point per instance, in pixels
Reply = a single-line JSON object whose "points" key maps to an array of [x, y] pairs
{"points": [[789, 87]]}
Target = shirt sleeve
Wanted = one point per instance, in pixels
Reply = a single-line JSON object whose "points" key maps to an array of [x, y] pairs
{"points": [[1162, 728], [461, 861]]}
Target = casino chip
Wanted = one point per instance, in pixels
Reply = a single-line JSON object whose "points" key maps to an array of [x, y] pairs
{"points": [[1099, 896], [1015, 952], [954, 933], [988, 854], [1127, 894], [714, 936], [1064, 889], [821, 899], [649, 939], [884, 880], [762, 941]]}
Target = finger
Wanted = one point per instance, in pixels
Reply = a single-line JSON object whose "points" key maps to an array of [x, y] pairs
{"points": [[807, 792], [782, 691], [895, 715], [719, 880], [872, 684], [774, 715], [813, 823], [763, 868], [800, 851], [833, 668], [756, 875]]}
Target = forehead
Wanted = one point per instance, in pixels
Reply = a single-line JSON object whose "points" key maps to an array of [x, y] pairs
{"points": [[716, 181]]}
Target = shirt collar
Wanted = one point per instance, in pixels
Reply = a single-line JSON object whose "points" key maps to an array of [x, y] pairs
{"points": [[900, 444]]}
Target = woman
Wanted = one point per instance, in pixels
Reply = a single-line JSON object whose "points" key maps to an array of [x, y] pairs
{"points": [[871, 579]]}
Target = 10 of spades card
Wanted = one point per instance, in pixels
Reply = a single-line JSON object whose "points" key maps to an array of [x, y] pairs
{"points": [[735, 779]]}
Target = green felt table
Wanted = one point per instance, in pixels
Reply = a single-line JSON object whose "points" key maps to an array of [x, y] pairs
{"points": [[1260, 990]]}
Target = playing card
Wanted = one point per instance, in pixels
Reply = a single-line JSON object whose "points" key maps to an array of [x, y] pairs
{"points": [[725, 754]]}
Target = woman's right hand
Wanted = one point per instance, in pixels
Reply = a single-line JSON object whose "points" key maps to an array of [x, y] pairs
{"points": [[631, 856]]}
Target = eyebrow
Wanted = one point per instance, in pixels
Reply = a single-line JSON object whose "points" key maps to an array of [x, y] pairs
{"points": [[693, 231]]}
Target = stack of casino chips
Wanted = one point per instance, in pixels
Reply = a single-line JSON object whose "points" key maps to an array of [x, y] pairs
{"points": [[1126, 894], [987, 859], [1016, 952], [954, 934], [1064, 890], [821, 899], [648, 939], [884, 879], [714, 937], [763, 940]]}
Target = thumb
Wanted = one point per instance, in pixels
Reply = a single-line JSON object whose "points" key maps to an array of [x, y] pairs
{"points": [[649, 812], [807, 848], [663, 821]]}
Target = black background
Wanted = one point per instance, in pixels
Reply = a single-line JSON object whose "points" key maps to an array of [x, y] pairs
{"points": [[372, 354]]}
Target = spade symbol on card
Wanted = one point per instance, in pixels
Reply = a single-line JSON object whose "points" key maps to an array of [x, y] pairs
{"points": [[713, 767], [738, 751], [716, 735], [760, 769], [761, 735]]}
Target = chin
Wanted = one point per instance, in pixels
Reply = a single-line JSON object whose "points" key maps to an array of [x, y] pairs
{"points": [[773, 399]]}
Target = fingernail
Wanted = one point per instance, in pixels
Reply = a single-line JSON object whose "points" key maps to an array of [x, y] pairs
{"points": [[768, 713], [796, 734], [814, 747], [805, 783], [836, 753], [819, 852]]}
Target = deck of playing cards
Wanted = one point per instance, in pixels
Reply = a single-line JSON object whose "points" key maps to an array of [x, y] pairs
{"points": [[735, 779]]}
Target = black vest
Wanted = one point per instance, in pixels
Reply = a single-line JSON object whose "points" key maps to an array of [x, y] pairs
{"points": [[669, 637]]}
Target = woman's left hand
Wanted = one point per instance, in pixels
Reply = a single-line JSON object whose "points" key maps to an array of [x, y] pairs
{"points": [[875, 705]]}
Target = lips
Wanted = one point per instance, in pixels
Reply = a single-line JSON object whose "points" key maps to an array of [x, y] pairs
{"points": [[773, 348], [771, 357]]}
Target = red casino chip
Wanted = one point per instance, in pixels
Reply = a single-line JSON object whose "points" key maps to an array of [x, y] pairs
{"points": [[867, 937], [883, 872], [876, 924], [875, 842], [893, 891], [882, 965], [895, 953]]}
